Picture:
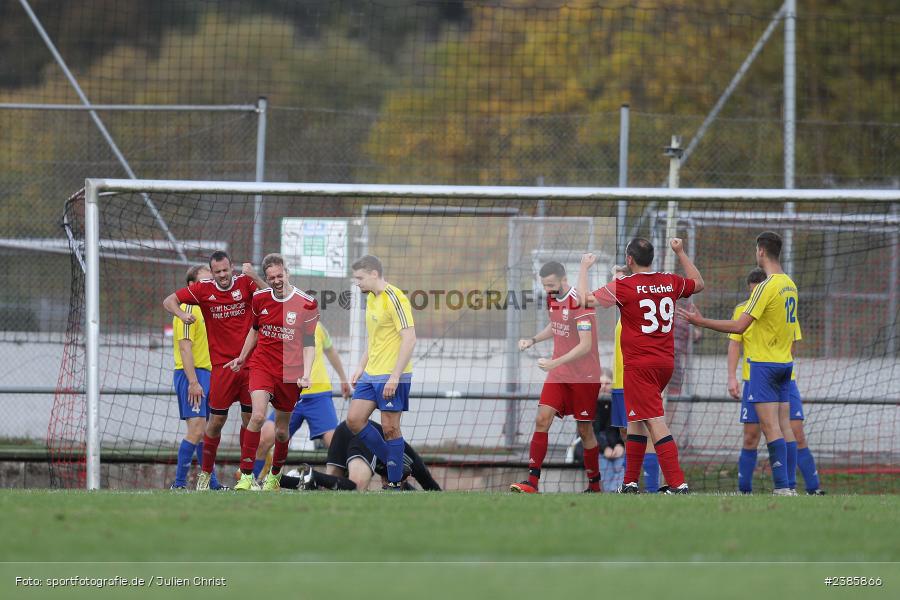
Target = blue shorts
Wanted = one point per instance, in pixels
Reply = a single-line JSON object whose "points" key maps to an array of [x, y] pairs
{"points": [[370, 387], [770, 382], [317, 410], [617, 416], [180, 381], [796, 402], [748, 411]]}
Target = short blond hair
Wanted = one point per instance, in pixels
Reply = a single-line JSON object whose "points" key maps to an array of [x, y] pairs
{"points": [[272, 260], [193, 273]]}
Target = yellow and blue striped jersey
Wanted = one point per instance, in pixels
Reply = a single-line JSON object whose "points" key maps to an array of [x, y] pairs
{"points": [[743, 339], [618, 381], [196, 332], [387, 314], [774, 307], [318, 376]]}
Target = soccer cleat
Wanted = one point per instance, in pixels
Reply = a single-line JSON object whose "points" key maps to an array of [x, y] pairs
{"points": [[392, 486], [681, 489], [817, 492], [307, 481], [246, 483], [524, 487], [784, 492], [590, 491], [629, 488], [177, 486], [272, 483], [203, 481], [663, 490]]}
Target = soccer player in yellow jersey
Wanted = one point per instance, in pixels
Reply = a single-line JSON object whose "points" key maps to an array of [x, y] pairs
{"points": [[384, 375], [741, 343], [191, 380], [315, 406], [773, 312]]}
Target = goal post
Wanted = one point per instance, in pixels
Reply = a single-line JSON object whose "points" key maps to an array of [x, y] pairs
{"points": [[876, 211]]}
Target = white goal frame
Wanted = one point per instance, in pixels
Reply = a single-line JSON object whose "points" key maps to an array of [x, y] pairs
{"points": [[95, 187]]}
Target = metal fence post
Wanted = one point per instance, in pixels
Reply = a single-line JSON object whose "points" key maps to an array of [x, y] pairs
{"points": [[623, 182], [261, 123], [790, 125]]}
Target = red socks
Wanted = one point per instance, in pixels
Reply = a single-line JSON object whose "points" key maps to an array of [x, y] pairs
{"points": [[279, 456], [536, 456], [241, 436], [592, 467], [210, 447], [635, 448], [667, 453], [249, 446]]}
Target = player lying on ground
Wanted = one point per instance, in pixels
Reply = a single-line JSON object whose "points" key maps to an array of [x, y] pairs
{"points": [[224, 301], [617, 418], [773, 312], [646, 301], [191, 381], [572, 385], [384, 375], [315, 406], [282, 343], [744, 343], [351, 465]]}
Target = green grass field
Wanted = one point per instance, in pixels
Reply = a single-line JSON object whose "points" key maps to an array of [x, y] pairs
{"points": [[336, 545]]}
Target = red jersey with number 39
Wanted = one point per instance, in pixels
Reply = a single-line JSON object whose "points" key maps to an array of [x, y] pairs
{"points": [[282, 324], [226, 312], [646, 303], [567, 319]]}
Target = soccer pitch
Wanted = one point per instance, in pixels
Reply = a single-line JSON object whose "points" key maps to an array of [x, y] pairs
{"points": [[414, 545]]}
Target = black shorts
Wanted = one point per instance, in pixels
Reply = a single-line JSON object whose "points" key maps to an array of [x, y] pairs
{"points": [[345, 447]]}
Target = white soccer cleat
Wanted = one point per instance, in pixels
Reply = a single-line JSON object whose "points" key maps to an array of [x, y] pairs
{"points": [[203, 481], [784, 492]]}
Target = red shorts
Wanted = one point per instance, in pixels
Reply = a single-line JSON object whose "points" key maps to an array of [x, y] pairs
{"points": [[576, 399], [283, 396], [643, 392], [227, 387]]}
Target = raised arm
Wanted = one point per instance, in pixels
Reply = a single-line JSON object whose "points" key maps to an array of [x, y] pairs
{"points": [[585, 297], [690, 271], [692, 315], [248, 270]]}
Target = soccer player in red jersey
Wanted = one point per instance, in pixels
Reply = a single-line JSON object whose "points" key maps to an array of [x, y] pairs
{"points": [[646, 301], [573, 376], [282, 341], [225, 303]]}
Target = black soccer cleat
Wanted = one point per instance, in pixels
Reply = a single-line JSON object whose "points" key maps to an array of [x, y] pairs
{"points": [[307, 479], [816, 492], [392, 486], [590, 491], [629, 488]]}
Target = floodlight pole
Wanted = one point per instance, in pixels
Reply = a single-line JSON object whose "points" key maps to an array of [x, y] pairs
{"points": [[92, 330]]}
